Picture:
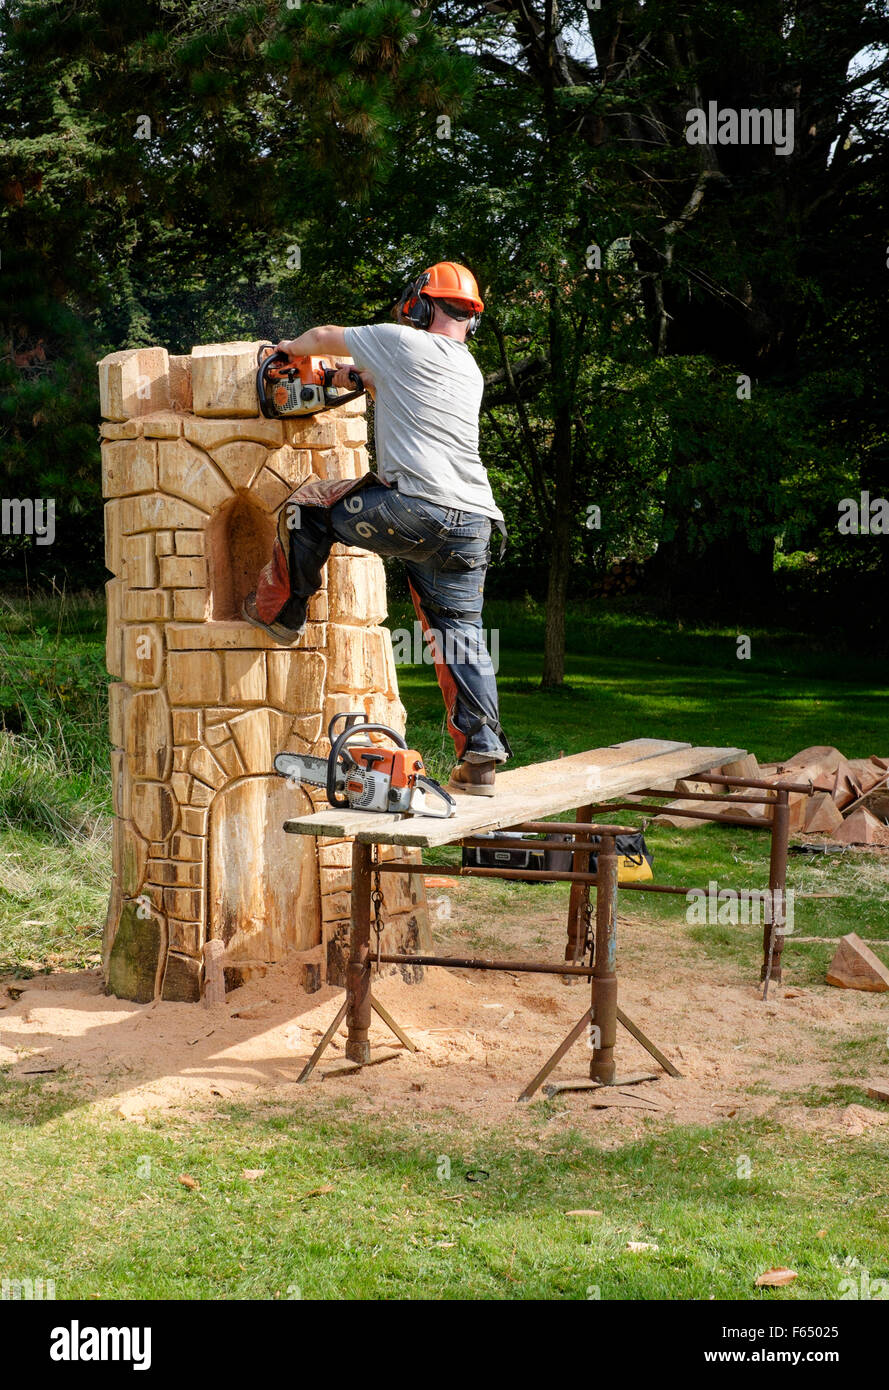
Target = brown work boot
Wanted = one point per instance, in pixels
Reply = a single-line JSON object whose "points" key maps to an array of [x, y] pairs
{"points": [[284, 636], [475, 779]]}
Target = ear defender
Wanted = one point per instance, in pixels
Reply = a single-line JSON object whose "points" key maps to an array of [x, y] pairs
{"points": [[414, 307]]}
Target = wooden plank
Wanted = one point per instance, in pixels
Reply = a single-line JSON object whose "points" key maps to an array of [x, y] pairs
{"points": [[536, 796], [605, 1096], [588, 765], [528, 793]]}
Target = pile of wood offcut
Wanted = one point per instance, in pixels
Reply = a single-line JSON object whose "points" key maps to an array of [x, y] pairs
{"points": [[850, 804]]}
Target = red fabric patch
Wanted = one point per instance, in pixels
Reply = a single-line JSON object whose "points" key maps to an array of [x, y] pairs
{"points": [[446, 683], [273, 585]]}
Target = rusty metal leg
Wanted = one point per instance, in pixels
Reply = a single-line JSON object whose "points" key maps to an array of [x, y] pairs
{"points": [[635, 1031], [313, 1061], [579, 900], [604, 983], [532, 1086], [390, 1023], [358, 970], [773, 934]]}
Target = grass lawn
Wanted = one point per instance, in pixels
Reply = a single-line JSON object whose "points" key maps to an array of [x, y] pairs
{"points": [[350, 1208], [350, 1205], [628, 676]]}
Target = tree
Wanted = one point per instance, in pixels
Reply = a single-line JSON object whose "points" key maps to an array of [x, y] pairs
{"points": [[162, 169], [728, 238]]}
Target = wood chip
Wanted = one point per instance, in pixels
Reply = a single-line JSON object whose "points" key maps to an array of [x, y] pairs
{"points": [[584, 1211], [317, 1192], [775, 1278], [191, 1183], [854, 966], [862, 828]]}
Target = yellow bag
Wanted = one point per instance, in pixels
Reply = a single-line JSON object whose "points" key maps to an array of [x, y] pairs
{"points": [[630, 870]]}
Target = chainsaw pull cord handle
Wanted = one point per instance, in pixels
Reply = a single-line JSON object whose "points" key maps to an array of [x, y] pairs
{"points": [[339, 744]]}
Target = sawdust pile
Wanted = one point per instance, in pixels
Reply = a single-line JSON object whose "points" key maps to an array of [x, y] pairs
{"points": [[481, 1037]]}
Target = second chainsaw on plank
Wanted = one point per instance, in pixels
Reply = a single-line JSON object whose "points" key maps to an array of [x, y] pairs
{"points": [[370, 777]]}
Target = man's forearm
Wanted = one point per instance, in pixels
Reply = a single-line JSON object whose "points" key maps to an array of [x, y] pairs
{"points": [[325, 341]]}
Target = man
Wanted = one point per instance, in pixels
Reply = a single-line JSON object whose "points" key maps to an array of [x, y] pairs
{"points": [[430, 505]]}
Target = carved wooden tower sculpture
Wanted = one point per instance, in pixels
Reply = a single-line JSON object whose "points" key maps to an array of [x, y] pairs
{"points": [[193, 476]]}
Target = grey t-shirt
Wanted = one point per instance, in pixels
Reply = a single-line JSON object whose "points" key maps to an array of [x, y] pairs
{"points": [[428, 396]]}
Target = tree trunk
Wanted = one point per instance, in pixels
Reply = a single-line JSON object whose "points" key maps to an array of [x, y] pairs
{"points": [[562, 470], [556, 598]]}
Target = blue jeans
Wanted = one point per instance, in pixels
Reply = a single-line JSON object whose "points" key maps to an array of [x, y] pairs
{"points": [[446, 554]]}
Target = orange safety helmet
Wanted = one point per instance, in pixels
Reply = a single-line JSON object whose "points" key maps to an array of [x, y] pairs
{"points": [[448, 280], [445, 280]]}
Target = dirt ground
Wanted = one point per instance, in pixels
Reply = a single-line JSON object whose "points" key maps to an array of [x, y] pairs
{"points": [[481, 1036]]}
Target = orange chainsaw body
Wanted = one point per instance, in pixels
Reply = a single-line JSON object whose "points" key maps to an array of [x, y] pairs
{"points": [[288, 386], [311, 369], [311, 373], [401, 765]]}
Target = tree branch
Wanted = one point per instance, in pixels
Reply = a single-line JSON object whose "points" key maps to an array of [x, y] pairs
{"points": [[529, 366], [524, 423], [541, 500]]}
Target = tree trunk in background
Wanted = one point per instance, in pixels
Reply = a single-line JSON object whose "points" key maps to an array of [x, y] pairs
{"points": [[556, 598], [701, 222], [561, 460]]}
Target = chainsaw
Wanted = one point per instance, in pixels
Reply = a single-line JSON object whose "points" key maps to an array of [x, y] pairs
{"points": [[370, 778], [298, 385]]}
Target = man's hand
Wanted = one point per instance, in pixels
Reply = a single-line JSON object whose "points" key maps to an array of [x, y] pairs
{"points": [[342, 378]]}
